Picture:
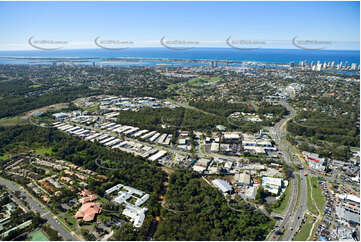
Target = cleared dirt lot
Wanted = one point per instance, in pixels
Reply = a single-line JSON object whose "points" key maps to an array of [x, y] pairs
{"points": [[53, 107], [24, 119]]}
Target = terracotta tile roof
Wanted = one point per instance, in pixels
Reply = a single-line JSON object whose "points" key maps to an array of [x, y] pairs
{"points": [[88, 211], [67, 179], [69, 172], [103, 177], [88, 199], [80, 176], [47, 186], [45, 198], [85, 192]]}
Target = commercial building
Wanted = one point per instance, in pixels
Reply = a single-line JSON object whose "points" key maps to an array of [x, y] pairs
{"points": [[349, 209], [139, 133], [201, 165], [133, 211], [348, 216], [199, 168], [148, 135], [222, 185], [60, 116], [135, 214], [214, 147], [242, 179], [349, 198], [158, 155], [273, 185], [231, 137], [20, 226], [251, 192], [154, 137]]}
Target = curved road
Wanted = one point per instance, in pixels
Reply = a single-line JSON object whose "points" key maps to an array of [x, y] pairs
{"points": [[293, 215]]}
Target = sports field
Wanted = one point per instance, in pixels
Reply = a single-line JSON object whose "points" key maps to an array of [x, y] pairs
{"points": [[38, 236]]}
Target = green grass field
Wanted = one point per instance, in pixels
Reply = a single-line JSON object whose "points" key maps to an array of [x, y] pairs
{"points": [[317, 194], [38, 236], [314, 229], [4, 156], [12, 121], [197, 82], [286, 199], [43, 150], [35, 86], [91, 109], [302, 235], [69, 220], [172, 86], [310, 205]]}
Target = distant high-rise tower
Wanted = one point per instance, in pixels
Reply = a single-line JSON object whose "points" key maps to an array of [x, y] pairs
{"points": [[319, 67], [324, 65], [353, 66], [214, 64], [333, 64]]}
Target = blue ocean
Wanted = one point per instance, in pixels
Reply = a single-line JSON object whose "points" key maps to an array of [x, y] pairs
{"points": [[280, 56]]}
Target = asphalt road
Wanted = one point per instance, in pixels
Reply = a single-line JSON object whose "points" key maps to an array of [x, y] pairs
{"points": [[295, 220], [36, 207], [293, 215]]}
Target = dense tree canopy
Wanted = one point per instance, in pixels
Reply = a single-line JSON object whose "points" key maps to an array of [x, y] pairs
{"points": [[198, 211], [333, 135], [169, 120], [17, 104]]}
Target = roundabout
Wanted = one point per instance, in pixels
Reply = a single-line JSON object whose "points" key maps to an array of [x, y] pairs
{"points": [[310, 126], [231, 204]]}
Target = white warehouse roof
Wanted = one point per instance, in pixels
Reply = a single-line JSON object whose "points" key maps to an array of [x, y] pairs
{"points": [[222, 185]]}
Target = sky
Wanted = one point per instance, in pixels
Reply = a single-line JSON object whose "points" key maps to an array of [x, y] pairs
{"points": [[205, 24]]}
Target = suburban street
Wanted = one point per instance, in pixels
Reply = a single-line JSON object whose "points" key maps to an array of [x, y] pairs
{"points": [[36, 207]]}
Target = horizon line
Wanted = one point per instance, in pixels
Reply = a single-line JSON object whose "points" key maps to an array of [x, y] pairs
{"points": [[194, 48]]}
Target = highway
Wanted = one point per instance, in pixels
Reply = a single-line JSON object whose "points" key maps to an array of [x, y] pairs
{"points": [[36, 207], [293, 215]]}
